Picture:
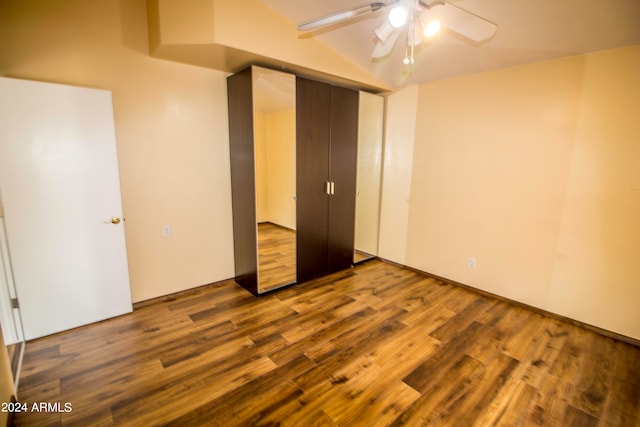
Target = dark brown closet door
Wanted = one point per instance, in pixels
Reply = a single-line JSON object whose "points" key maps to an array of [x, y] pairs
{"points": [[313, 101], [342, 172], [240, 96]]}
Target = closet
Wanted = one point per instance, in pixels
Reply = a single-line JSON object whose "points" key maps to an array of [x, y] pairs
{"points": [[311, 166], [327, 132]]}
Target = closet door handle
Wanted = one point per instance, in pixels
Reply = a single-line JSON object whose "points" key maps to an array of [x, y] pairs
{"points": [[331, 188]]}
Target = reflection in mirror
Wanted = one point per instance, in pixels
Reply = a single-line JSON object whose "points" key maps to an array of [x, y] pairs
{"points": [[10, 322], [275, 144], [369, 175]]}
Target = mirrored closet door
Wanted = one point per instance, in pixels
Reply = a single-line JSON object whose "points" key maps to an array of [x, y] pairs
{"points": [[369, 176], [10, 321], [262, 137], [274, 125]]}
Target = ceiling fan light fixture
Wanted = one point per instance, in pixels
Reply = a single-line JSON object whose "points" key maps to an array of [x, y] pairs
{"points": [[384, 31], [398, 17], [422, 17], [431, 28]]}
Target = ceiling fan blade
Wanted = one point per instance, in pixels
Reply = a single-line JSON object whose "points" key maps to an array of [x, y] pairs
{"points": [[383, 49], [464, 22], [342, 15]]}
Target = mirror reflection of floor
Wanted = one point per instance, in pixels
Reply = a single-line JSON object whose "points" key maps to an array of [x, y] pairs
{"points": [[276, 256], [15, 357], [360, 256]]}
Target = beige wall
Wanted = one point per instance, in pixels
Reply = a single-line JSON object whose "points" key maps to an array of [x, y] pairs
{"points": [[275, 135], [596, 275], [171, 129], [399, 138], [260, 150], [535, 172], [281, 161]]}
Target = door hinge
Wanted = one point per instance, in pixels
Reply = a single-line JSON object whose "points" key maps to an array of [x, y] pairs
{"points": [[14, 303]]}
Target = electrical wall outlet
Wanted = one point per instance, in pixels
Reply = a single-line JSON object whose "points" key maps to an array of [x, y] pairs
{"points": [[166, 231], [471, 263]]}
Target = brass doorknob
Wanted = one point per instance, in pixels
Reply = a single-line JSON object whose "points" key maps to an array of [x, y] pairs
{"points": [[114, 220]]}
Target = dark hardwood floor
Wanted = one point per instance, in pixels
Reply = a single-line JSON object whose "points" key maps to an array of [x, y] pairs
{"points": [[276, 256], [373, 345], [359, 256], [14, 351]]}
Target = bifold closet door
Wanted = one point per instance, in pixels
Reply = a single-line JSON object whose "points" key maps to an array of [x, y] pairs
{"points": [[343, 173], [313, 119], [326, 128]]}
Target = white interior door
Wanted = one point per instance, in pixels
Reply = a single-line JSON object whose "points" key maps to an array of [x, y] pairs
{"points": [[60, 189]]}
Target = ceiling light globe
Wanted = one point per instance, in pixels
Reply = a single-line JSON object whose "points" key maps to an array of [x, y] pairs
{"points": [[431, 29], [398, 17]]}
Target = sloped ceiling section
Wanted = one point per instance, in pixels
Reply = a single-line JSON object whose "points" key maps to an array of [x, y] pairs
{"points": [[230, 35], [528, 31]]}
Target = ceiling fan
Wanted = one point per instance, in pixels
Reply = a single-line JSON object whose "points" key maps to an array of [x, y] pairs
{"points": [[416, 19]]}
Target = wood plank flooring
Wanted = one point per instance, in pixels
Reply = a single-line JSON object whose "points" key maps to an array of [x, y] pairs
{"points": [[15, 351], [376, 345], [360, 256], [276, 256]]}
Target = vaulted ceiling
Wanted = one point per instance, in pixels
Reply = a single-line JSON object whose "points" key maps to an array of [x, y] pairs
{"points": [[229, 35], [529, 31]]}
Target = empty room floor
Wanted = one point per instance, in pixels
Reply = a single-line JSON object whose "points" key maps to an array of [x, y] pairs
{"points": [[373, 345]]}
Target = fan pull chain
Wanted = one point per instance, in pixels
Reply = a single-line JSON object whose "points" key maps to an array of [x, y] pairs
{"points": [[408, 59]]}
